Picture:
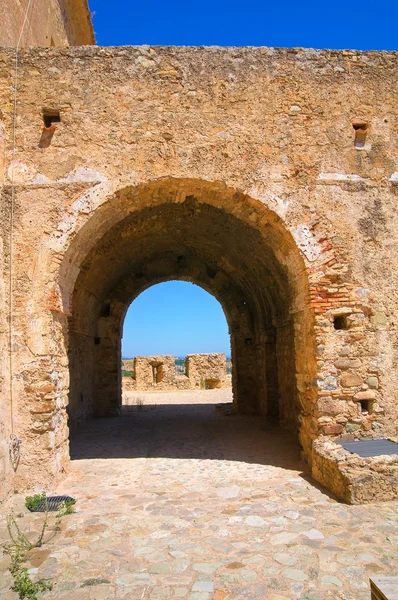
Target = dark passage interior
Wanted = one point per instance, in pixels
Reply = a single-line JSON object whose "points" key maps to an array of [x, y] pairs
{"points": [[231, 246]]}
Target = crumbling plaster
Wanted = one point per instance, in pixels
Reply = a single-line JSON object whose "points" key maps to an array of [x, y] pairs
{"points": [[262, 140]]}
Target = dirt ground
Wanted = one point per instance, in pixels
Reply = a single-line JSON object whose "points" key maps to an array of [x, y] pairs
{"points": [[189, 397]]}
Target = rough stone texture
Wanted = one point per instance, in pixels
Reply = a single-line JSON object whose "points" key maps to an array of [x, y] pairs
{"points": [[207, 370], [49, 23], [150, 371], [201, 371], [354, 479], [234, 168]]}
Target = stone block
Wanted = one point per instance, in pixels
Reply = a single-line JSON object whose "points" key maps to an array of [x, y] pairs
{"points": [[379, 319], [328, 383], [367, 395], [352, 427], [333, 429], [372, 382], [350, 380], [332, 407], [347, 363]]}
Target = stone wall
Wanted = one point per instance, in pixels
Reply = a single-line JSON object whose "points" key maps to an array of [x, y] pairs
{"points": [[154, 371], [354, 479], [239, 169], [49, 23], [6, 416], [206, 371]]}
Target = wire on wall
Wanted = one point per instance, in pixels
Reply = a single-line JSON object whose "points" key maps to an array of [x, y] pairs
{"points": [[15, 442]]}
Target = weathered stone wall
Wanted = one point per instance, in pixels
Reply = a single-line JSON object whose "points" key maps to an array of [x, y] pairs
{"points": [[49, 23], [207, 370], [150, 371], [201, 370], [353, 479], [6, 416], [235, 168]]}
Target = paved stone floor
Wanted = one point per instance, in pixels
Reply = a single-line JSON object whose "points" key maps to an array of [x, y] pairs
{"points": [[181, 501]]}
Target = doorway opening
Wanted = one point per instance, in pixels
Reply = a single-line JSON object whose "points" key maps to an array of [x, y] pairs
{"points": [[175, 338]]}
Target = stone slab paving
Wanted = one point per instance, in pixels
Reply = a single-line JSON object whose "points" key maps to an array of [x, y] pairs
{"points": [[178, 501]]}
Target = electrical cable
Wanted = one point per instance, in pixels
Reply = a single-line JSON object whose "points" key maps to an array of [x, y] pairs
{"points": [[15, 442]]}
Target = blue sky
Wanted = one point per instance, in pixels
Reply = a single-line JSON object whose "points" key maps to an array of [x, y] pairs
{"points": [[177, 317], [363, 25]]}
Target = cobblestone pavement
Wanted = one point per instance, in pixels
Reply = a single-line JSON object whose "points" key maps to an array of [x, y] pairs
{"points": [[181, 501]]}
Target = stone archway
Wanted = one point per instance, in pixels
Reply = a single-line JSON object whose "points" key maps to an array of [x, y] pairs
{"points": [[228, 243]]}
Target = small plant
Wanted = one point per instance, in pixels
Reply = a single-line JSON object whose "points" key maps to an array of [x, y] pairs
{"points": [[126, 373], [33, 502], [66, 508], [25, 587], [20, 544]]}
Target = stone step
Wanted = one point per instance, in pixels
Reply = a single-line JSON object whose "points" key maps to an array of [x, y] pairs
{"points": [[384, 588]]}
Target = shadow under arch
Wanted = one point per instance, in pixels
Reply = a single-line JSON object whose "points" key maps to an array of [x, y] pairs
{"points": [[228, 243]]}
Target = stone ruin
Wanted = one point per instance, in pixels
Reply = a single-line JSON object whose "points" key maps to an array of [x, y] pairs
{"points": [[267, 176], [202, 371]]}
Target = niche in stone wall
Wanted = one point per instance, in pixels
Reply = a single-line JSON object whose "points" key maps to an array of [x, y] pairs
{"points": [[361, 130]]}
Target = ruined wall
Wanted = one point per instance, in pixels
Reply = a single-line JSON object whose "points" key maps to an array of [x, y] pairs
{"points": [[49, 23], [207, 370], [151, 371], [264, 141]]}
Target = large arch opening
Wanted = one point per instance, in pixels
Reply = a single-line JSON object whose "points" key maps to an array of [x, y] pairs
{"points": [[227, 243]]}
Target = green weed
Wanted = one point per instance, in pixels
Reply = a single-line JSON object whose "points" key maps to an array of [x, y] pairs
{"points": [[33, 502], [20, 544]]}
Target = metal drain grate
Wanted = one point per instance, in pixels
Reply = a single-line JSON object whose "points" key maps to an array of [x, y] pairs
{"points": [[369, 448], [53, 503]]}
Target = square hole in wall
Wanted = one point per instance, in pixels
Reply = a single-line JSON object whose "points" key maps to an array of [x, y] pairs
{"points": [[361, 129], [51, 116], [341, 322], [366, 406]]}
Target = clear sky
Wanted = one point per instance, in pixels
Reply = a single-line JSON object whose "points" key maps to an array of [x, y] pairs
{"points": [[365, 25], [177, 318]]}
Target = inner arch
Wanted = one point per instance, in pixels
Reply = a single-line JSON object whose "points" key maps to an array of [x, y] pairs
{"points": [[175, 337], [175, 317]]}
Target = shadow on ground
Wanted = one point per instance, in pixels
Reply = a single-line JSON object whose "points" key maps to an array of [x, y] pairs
{"points": [[196, 431]]}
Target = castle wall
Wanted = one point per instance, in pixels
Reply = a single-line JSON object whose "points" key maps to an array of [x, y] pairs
{"points": [[272, 136]]}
